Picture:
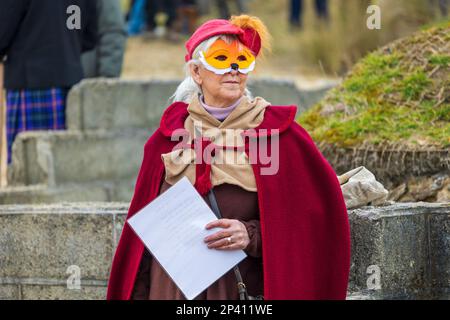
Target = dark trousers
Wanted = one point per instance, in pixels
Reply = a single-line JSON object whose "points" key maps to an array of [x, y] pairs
{"points": [[224, 10], [443, 6], [322, 9], [169, 7], [296, 13]]}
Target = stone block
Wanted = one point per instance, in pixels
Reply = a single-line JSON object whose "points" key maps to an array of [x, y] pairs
{"points": [[43, 241], [439, 260], [39, 194], [407, 244], [40, 292], [119, 222], [75, 157], [117, 104], [9, 292], [114, 104]]}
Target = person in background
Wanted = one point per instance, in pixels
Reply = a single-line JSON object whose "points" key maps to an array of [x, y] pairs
{"points": [[107, 58], [188, 12], [224, 10], [296, 12], [41, 48], [136, 17], [443, 7], [204, 7], [169, 9]]}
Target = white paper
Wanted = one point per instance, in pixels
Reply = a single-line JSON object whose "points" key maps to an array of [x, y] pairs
{"points": [[172, 227]]}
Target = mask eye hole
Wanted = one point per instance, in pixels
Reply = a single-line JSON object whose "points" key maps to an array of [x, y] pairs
{"points": [[221, 58], [242, 58]]}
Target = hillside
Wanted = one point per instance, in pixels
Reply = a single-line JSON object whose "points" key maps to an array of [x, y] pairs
{"points": [[399, 94]]}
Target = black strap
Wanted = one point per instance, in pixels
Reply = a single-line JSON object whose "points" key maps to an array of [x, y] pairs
{"points": [[242, 289]]}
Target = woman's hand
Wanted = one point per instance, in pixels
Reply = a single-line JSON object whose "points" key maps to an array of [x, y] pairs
{"points": [[234, 235]]}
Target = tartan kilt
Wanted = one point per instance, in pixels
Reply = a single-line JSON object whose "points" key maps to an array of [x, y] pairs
{"points": [[30, 110]]}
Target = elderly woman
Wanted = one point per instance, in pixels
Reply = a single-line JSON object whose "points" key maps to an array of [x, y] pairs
{"points": [[279, 198]]}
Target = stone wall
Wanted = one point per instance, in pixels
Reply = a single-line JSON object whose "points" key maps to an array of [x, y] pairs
{"points": [[40, 243], [400, 251], [409, 175], [393, 164], [408, 244]]}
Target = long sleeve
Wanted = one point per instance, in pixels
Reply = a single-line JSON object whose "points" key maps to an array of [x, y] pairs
{"points": [[89, 36], [11, 15], [112, 38], [254, 248]]}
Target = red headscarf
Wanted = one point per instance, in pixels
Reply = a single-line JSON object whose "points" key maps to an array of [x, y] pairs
{"points": [[249, 30]]}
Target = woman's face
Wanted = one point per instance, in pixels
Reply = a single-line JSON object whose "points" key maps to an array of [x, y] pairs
{"points": [[219, 90]]}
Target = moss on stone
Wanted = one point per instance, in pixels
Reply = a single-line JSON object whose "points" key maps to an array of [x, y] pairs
{"points": [[399, 94]]}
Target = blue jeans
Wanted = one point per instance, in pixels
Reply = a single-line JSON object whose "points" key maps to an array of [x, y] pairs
{"points": [[136, 22]]}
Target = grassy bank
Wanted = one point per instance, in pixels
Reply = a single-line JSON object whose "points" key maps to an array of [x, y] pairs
{"points": [[398, 94]]}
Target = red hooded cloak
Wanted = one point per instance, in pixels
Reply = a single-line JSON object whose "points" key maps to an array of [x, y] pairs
{"points": [[304, 223]]}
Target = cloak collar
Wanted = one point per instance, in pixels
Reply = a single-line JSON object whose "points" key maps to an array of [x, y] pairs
{"points": [[277, 119]]}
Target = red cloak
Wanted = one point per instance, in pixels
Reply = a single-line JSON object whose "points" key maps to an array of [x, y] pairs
{"points": [[304, 223]]}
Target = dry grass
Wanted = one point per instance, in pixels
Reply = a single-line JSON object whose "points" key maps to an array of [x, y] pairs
{"points": [[315, 52]]}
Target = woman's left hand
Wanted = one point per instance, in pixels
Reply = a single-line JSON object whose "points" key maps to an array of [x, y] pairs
{"points": [[234, 235]]}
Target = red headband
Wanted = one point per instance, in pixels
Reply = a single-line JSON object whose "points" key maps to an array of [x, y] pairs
{"points": [[249, 37]]}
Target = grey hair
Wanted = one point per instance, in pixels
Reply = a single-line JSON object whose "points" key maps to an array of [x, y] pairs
{"points": [[188, 88]]}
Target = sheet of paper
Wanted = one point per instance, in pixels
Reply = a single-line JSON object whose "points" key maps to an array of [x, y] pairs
{"points": [[172, 227]]}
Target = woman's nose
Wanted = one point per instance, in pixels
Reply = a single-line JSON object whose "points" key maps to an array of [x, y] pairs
{"points": [[234, 72]]}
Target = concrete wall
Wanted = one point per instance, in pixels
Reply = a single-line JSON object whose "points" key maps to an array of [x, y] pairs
{"points": [[112, 104], [38, 244], [402, 250]]}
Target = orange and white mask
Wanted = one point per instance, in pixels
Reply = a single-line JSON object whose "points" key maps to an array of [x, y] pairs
{"points": [[223, 57]]}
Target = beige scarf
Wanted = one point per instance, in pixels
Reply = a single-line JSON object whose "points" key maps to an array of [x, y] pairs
{"points": [[228, 166]]}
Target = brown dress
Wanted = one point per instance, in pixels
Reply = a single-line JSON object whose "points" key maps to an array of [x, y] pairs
{"points": [[152, 281]]}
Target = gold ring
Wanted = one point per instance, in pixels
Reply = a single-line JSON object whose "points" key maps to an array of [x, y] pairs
{"points": [[229, 240]]}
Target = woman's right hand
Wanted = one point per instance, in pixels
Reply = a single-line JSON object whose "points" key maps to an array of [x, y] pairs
{"points": [[233, 236]]}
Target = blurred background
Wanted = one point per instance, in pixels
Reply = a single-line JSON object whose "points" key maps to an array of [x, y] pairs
{"points": [[329, 38]]}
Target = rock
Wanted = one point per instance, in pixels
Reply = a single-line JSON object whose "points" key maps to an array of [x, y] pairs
{"points": [[427, 189], [397, 193], [444, 194], [401, 251]]}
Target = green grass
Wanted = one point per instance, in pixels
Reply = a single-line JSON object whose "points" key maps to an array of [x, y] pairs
{"points": [[440, 60], [385, 100], [414, 84]]}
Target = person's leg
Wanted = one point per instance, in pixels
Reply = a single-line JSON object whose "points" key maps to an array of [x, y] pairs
{"points": [[137, 17], [171, 8], [151, 9], [224, 12], [242, 6], [322, 9], [128, 13], [296, 12], [203, 7], [13, 119], [193, 16], [443, 6]]}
